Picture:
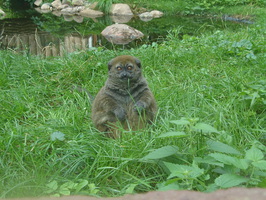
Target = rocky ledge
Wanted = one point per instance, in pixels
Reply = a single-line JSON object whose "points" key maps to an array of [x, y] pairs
{"points": [[86, 9]]}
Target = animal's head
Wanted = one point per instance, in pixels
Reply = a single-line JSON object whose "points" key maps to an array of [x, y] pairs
{"points": [[125, 68]]}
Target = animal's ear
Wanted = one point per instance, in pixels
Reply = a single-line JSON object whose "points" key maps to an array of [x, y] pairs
{"points": [[110, 63], [138, 62]]}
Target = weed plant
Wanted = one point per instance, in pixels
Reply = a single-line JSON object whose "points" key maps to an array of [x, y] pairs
{"points": [[209, 133]]}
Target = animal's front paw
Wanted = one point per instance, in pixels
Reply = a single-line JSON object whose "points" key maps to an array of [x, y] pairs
{"points": [[120, 114], [139, 107]]}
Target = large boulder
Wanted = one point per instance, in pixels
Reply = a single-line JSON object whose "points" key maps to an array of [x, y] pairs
{"points": [[121, 33], [120, 9]]}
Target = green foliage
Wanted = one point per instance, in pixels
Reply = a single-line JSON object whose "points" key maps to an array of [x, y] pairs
{"points": [[254, 95], [222, 166], [198, 6], [70, 187]]}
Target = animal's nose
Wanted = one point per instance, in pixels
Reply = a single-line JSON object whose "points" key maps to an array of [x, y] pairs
{"points": [[124, 75]]}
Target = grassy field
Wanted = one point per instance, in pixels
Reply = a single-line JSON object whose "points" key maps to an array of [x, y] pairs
{"points": [[210, 131]]}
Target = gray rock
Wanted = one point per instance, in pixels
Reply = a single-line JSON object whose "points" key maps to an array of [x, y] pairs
{"points": [[146, 15], [77, 2], [87, 12], [78, 19], [156, 13], [63, 6], [120, 9], [121, 33], [121, 19], [68, 18], [56, 4], [68, 10], [57, 13], [38, 2], [46, 6], [2, 13], [68, 2]]}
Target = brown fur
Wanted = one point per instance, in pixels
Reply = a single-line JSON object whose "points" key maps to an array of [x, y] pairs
{"points": [[125, 99]]}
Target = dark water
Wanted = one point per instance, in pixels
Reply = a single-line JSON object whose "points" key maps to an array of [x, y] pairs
{"points": [[51, 35]]}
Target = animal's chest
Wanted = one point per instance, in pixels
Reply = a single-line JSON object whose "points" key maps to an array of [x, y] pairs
{"points": [[128, 100]]}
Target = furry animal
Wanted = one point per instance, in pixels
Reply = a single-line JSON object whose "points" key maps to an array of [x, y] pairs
{"points": [[125, 99]]}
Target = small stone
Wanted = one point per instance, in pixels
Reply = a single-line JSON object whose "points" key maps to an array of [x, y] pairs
{"points": [[87, 12], [68, 10], [156, 13], [2, 13], [56, 4], [146, 15], [78, 19], [46, 6], [68, 2], [77, 2]]}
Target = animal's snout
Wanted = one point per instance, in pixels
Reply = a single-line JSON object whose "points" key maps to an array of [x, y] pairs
{"points": [[125, 75]]}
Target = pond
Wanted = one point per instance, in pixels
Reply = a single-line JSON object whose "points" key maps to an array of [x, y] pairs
{"points": [[47, 34]]}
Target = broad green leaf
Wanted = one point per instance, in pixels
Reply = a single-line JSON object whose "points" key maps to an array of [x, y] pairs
{"points": [[208, 160], [93, 188], [260, 173], [177, 134], [52, 186], [180, 122], [166, 187], [229, 160], [229, 180], [221, 147], [131, 188], [69, 185], [261, 164], [241, 163], [183, 171], [254, 154], [161, 153], [57, 136], [170, 166], [64, 191], [81, 185], [205, 128]]}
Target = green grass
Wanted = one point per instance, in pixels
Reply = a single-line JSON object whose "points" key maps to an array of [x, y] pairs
{"points": [[211, 94]]}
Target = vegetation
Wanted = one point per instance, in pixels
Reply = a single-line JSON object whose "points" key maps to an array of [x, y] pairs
{"points": [[210, 131]]}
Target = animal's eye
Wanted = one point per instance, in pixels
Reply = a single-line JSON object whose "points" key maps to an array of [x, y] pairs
{"points": [[129, 67], [119, 68]]}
